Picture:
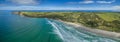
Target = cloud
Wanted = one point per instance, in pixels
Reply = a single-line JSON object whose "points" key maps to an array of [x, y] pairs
{"points": [[22, 8], [92, 1], [86, 2], [50, 8], [116, 8], [24, 2], [82, 2], [106, 2], [72, 3]]}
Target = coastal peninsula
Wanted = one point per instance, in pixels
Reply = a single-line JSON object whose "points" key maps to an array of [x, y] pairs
{"points": [[109, 21]]}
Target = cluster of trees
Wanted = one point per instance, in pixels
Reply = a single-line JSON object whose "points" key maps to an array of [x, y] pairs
{"points": [[90, 19]]}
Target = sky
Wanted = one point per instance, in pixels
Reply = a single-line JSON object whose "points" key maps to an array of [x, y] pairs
{"points": [[60, 5]]}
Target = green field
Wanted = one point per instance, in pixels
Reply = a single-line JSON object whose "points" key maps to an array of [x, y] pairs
{"points": [[109, 16], [109, 21]]}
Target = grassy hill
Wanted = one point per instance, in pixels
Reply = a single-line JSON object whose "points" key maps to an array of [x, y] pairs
{"points": [[109, 21]]}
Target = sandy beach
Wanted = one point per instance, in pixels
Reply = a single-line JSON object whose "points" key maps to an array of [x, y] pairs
{"points": [[96, 31]]}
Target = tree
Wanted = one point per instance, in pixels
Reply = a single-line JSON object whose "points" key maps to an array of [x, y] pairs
{"points": [[92, 23]]}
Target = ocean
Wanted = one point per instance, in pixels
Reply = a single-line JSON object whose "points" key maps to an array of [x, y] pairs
{"points": [[16, 28]]}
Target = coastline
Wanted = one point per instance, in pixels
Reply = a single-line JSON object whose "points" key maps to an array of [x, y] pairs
{"points": [[79, 26], [96, 31]]}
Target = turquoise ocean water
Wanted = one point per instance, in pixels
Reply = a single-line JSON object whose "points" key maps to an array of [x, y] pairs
{"points": [[16, 28]]}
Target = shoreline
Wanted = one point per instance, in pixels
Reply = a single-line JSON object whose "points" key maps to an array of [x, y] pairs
{"points": [[98, 20], [96, 31]]}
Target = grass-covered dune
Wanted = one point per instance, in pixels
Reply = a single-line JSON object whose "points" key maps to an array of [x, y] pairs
{"points": [[109, 21]]}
